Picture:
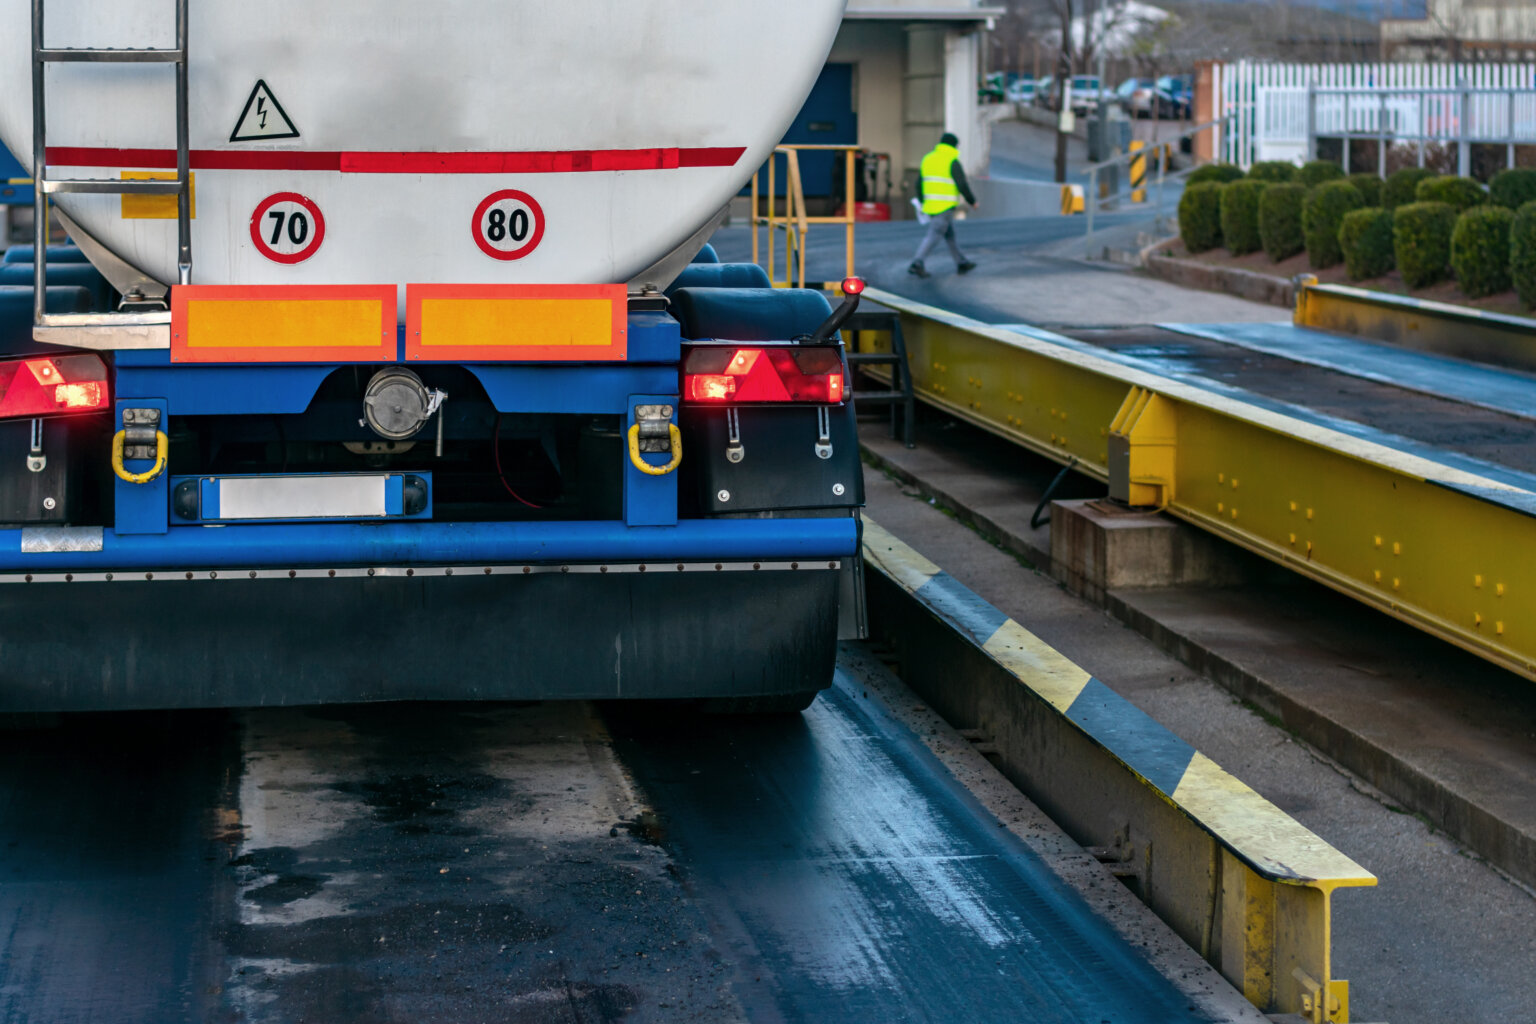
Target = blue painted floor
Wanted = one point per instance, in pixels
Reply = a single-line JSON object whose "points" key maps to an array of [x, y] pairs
{"points": [[1489, 387], [1177, 368]]}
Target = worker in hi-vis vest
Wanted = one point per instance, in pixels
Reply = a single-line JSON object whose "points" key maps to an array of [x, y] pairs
{"points": [[940, 184]]}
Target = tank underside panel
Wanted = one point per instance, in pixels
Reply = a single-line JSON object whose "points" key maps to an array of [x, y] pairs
{"points": [[627, 125], [230, 643]]}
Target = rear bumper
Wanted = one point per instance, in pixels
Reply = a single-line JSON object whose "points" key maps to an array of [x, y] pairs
{"points": [[45, 552], [277, 615]]}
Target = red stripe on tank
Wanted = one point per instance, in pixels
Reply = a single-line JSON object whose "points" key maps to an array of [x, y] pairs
{"points": [[532, 162]]}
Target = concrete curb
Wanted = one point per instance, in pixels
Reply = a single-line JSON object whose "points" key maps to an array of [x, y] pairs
{"points": [[1504, 846], [1502, 843], [1238, 878], [1245, 284]]}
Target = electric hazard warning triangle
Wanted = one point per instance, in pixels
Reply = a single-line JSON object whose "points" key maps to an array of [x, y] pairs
{"points": [[263, 118]]}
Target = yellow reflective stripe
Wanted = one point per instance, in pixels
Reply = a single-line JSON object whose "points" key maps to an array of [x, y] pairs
{"points": [[1042, 669]]}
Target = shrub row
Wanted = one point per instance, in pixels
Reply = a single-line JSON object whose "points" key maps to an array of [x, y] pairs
{"points": [[1423, 224]]}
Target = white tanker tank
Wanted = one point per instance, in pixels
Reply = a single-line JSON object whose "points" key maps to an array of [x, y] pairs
{"points": [[395, 141]]}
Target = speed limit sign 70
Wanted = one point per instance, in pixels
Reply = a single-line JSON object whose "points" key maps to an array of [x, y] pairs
{"points": [[287, 227], [508, 225]]}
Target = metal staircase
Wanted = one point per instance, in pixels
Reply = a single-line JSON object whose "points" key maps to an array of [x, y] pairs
{"points": [[95, 330], [899, 395]]}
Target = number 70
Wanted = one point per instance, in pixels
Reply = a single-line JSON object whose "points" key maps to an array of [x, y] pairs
{"points": [[298, 226]]}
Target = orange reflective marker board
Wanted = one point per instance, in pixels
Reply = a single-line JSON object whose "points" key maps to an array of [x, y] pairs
{"points": [[344, 323], [477, 323]]}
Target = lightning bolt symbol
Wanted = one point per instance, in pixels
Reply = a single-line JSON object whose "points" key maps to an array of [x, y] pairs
{"points": [[261, 103]]}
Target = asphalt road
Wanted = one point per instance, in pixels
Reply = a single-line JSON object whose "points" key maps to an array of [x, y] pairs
{"points": [[506, 863]]}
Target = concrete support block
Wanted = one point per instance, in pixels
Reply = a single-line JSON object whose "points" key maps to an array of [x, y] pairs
{"points": [[1098, 547]]}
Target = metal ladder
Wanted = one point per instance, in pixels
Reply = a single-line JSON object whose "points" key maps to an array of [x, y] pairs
{"points": [[899, 396], [42, 56]]}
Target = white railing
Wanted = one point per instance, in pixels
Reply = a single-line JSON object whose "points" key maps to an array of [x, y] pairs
{"points": [[1277, 111]]}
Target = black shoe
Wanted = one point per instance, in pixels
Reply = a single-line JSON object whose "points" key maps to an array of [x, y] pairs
{"points": [[917, 269], [965, 266]]}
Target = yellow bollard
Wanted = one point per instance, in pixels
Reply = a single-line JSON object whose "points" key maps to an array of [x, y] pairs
{"points": [[1138, 172]]}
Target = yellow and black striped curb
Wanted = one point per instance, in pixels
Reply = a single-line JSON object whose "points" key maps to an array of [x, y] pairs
{"points": [[1261, 835]]}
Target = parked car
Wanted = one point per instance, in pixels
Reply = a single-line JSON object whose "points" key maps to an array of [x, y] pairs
{"points": [[991, 88], [1021, 90], [1085, 93], [1138, 96], [1177, 92], [1165, 97]]}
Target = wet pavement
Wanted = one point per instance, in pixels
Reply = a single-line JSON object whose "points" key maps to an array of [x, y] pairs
{"points": [[494, 862]]}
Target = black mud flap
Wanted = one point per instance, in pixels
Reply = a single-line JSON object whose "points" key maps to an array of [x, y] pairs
{"points": [[662, 633]]}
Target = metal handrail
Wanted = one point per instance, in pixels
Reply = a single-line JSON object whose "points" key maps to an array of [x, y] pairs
{"points": [[1163, 150], [41, 57], [796, 223]]}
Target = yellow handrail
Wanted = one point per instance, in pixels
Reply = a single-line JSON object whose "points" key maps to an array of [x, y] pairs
{"points": [[795, 222]]}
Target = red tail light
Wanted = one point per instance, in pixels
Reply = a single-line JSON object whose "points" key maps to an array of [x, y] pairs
{"points": [[51, 385], [771, 374]]}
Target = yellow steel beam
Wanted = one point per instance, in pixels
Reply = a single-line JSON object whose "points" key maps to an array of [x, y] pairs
{"points": [[1448, 551], [1437, 327]]}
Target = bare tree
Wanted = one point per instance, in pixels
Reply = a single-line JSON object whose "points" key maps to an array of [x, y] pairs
{"points": [[1063, 11]]}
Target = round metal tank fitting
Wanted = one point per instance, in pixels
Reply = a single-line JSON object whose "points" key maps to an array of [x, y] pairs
{"points": [[396, 403]]}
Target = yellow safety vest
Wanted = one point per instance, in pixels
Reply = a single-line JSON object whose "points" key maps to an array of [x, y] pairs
{"points": [[939, 191]]}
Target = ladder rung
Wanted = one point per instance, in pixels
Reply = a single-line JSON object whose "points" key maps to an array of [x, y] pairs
{"points": [[875, 358], [877, 396], [115, 186], [146, 319], [77, 53], [870, 321]]}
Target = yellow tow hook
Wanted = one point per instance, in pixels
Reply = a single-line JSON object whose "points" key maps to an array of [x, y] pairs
{"points": [[162, 450], [676, 437]]}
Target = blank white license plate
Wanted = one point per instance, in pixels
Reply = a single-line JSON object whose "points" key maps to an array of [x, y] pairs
{"points": [[303, 497]]}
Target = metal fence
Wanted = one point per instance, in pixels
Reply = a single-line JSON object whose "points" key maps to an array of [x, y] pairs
{"points": [[1279, 111]]}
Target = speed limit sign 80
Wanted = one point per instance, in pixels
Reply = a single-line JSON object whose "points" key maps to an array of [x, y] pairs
{"points": [[287, 227], [508, 224]]}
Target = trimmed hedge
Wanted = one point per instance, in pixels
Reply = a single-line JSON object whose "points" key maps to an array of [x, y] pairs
{"points": [[1462, 193], [1273, 170], [1522, 253], [1280, 220], [1480, 251], [1513, 187], [1240, 215], [1200, 216], [1315, 172], [1219, 173], [1366, 238], [1402, 186], [1421, 241], [1369, 186], [1321, 214]]}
